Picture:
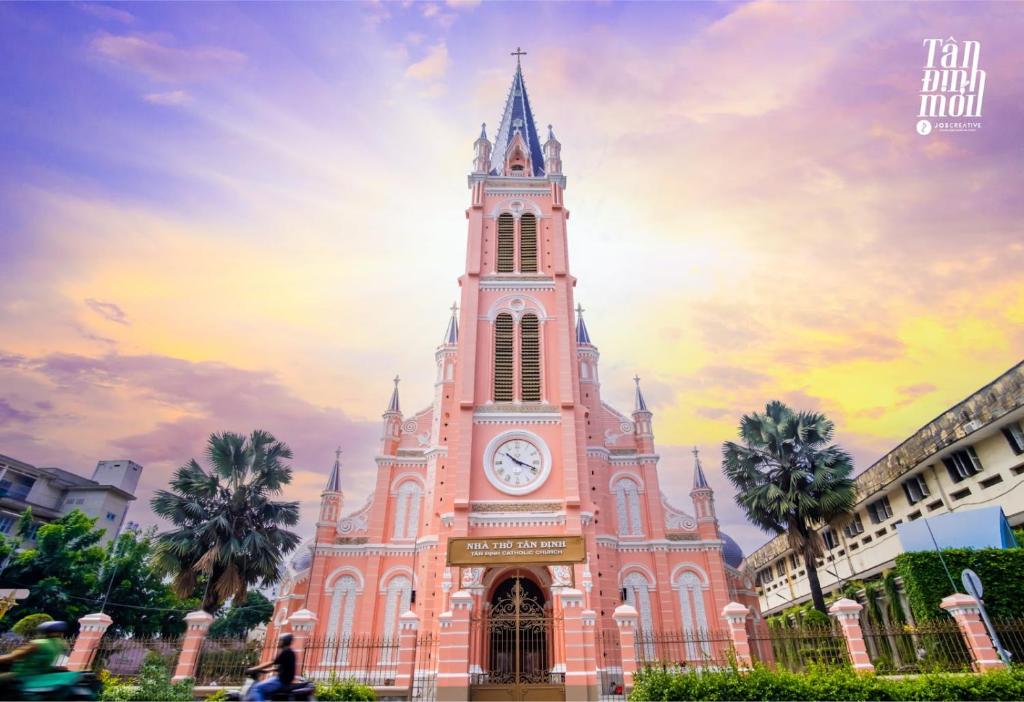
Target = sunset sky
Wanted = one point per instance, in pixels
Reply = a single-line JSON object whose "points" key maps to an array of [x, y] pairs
{"points": [[224, 217]]}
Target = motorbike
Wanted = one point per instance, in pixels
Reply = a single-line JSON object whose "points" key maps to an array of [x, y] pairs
{"points": [[58, 685], [301, 690]]}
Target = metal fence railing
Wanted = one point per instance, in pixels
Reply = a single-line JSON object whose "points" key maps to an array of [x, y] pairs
{"points": [[693, 649], [1011, 636], [424, 682], [928, 646], [223, 661], [800, 648], [369, 660], [124, 658], [610, 673]]}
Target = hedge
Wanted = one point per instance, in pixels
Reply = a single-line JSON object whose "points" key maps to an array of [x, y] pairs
{"points": [[926, 582], [821, 684]]}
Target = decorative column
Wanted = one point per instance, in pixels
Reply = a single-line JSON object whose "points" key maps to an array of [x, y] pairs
{"points": [[408, 629], [848, 613], [735, 615], [90, 631], [577, 662], [589, 619], [626, 619], [196, 625], [302, 622], [453, 650], [967, 613]]}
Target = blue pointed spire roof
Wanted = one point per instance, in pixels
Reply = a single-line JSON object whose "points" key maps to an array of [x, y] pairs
{"points": [[393, 404], [582, 335], [641, 404], [451, 334], [699, 481], [334, 480], [517, 116]]}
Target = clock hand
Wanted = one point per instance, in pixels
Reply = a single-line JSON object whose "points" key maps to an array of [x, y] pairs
{"points": [[516, 460]]}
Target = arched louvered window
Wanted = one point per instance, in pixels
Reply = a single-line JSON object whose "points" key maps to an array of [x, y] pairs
{"points": [[527, 243], [506, 243], [503, 357], [398, 600], [340, 620], [407, 510], [691, 606], [529, 330], [638, 595], [627, 507]]}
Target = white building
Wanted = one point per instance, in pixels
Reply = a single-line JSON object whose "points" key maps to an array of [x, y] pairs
{"points": [[52, 492], [970, 456]]}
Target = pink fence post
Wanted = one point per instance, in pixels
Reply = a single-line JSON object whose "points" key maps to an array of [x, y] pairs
{"points": [[589, 620], [408, 629], [90, 630], [735, 615], [196, 625], [848, 613], [626, 619], [453, 650], [967, 613], [575, 646], [302, 622]]}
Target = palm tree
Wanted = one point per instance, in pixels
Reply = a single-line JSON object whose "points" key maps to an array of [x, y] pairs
{"points": [[789, 479], [226, 526]]}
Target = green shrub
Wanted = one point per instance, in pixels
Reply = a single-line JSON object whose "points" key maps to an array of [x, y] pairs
{"points": [[153, 683], [816, 619], [825, 684], [334, 689], [26, 626], [926, 582]]}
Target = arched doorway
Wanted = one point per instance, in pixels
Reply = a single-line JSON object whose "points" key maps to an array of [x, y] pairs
{"points": [[518, 633]]}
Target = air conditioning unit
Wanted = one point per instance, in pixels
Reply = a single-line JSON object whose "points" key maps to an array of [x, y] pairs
{"points": [[973, 425]]}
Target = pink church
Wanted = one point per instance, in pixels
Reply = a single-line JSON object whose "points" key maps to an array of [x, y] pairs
{"points": [[517, 449]]}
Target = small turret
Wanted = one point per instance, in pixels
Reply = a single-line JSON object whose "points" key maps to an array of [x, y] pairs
{"points": [[552, 154], [703, 500], [642, 421], [586, 353], [447, 351], [482, 152], [331, 501], [392, 424]]}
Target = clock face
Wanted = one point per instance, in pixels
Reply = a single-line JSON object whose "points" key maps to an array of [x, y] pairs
{"points": [[517, 464]]}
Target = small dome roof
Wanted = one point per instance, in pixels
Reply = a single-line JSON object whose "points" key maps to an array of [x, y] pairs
{"points": [[731, 551], [302, 559]]}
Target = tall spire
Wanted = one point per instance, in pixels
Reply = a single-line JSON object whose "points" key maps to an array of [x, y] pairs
{"points": [[517, 116], [699, 481], [640, 405], [582, 335], [451, 334], [334, 480], [393, 404]]}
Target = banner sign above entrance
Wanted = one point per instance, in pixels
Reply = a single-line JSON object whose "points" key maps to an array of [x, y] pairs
{"points": [[543, 550]]}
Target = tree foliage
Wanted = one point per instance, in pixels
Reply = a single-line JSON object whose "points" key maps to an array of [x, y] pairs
{"points": [[790, 478], [926, 583], [227, 525], [241, 618]]}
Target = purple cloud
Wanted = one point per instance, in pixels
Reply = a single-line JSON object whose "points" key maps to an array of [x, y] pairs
{"points": [[10, 414], [108, 310], [148, 55]]}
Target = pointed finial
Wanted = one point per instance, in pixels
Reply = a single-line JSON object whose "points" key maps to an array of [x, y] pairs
{"points": [[551, 133], [451, 334], [334, 479], [337, 454], [699, 481], [582, 335], [636, 379], [393, 404], [518, 53], [483, 130], [397, 380], [579, 309], [454, 308], [641, 404]]}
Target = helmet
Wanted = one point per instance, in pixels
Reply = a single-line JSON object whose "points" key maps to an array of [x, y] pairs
{"points": [[49, 628], [285, 640]]}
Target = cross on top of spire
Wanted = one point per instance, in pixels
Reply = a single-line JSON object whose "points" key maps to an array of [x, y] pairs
{"points": [[337, 454], [517, 53], [582, 335], [393, 404], [640, 404], [699, 481]]}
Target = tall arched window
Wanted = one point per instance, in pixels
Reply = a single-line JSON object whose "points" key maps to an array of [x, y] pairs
{"points": [[398, 599], [407, 510], [530, 371], [506, 243], [638, 596], [691, 605], [627, 507], [340, 618], [503, 357], [528, 243]]}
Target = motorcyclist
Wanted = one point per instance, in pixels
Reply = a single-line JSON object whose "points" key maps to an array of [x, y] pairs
{"points": [[285, 665], [38, 656]]}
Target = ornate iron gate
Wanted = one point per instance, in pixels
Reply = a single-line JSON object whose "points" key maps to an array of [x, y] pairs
{"points": [[515, 645]]}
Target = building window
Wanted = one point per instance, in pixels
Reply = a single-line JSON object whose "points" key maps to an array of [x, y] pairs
{"points": [[879, 510], [506, 244], [691, 605], [7, 523], [962, 464], [340, 618], [530, 371], [503, 357], [830, 538], [111, 516], [627, 507], [1015, 437], [916, 489], [407, 510], [638, 596], [527, 243], [16, 486], [398, 600], [765, 576], [855, 527]]}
